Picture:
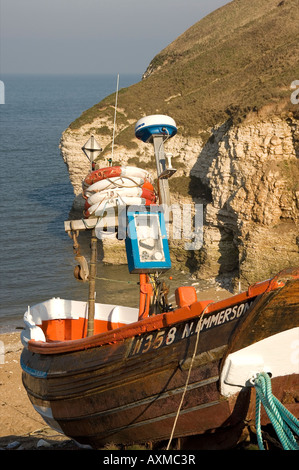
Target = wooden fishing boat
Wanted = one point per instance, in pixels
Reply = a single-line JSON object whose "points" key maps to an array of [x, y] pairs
{"points": [[107, 373]]}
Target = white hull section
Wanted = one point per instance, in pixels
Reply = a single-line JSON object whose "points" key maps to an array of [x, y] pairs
{"points": [[57, 308], [277, 355]]}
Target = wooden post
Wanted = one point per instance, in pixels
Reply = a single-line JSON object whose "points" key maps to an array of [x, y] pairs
{"points": [[92, 283]]}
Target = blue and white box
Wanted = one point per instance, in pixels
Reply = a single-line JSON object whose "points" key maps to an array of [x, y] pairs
{"points": [[146, 242]]}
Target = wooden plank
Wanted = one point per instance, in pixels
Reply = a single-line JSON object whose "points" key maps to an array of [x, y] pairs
{"points": [[275, 311]]}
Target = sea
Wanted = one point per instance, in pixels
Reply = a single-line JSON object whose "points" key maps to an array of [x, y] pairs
{"points": [[37, 259]]}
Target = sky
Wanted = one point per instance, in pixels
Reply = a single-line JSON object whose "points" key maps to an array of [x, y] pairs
{"points": [[91, 36]]}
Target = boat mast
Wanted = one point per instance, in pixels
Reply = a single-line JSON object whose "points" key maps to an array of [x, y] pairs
{"points": [[114, 124], [163, 187], [157, 129], [92, 283], [154, 129]]}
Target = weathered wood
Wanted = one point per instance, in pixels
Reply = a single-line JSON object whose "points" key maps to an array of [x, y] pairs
{"points": [[130, 390], [276, 311], [92, 283]]}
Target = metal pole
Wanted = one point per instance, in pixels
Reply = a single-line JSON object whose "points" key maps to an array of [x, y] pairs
{"points": [[92, 283], [92, 151], [116, 96], [160, 164]]}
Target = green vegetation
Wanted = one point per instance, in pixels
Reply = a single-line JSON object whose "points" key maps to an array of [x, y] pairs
{"points": [[147, 165], [289, 170], [104, 130], [189, 185], [237, 60]]}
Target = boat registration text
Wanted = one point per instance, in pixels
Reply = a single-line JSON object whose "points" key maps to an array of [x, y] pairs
{"points": [[167, 336]]}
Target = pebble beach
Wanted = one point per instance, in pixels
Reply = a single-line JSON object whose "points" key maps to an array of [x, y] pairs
{"points": [[21, 427]]}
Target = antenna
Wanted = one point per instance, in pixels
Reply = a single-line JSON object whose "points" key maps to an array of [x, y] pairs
{"points": [[156, 129], [115, 114]]}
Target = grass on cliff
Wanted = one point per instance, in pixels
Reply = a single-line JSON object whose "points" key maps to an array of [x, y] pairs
{"points": [[235, 61]]}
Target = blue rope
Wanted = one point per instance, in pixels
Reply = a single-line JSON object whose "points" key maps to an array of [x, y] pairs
{"points": [[282, 420]]}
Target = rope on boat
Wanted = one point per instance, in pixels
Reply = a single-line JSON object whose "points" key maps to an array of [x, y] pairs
{"points": [[188, 376], [282, 420], [117, 280]]}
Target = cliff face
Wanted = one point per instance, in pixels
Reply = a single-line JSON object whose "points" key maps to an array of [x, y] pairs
{"points": [[240, 161], [251, 225]]}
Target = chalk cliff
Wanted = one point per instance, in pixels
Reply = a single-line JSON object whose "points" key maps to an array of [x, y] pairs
{"points": [[226, 81]]}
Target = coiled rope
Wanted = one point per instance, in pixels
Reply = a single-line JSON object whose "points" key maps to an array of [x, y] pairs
{"points": [[282, 420]]}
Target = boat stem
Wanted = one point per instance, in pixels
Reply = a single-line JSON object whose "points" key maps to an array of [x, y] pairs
{"points": [[92, 283]]}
